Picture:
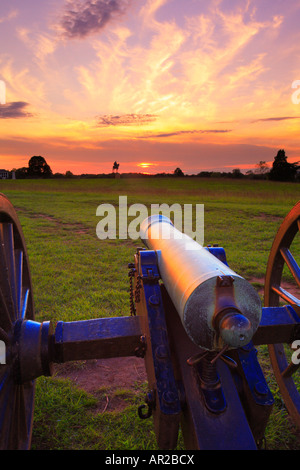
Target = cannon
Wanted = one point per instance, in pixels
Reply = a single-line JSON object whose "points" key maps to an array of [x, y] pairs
{"points": [[194, 322]]}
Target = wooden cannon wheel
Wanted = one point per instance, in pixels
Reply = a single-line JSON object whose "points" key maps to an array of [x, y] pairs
{"points": [[282, 262], [16, 304]]}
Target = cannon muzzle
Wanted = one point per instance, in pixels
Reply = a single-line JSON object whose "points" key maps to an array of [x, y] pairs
{"points": [[217, 307]]}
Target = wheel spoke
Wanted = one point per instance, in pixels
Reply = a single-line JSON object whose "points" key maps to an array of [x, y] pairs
{"points": [[18, 420], [6, 320], [25, 303], [8, 238], [290, 370], [3, 379], [5, 273], [291, 263], [284, 294], [19, 278], [7, 399], [16, 406]]}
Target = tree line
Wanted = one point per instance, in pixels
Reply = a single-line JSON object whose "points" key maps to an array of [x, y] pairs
{"points": [[281, 170]]}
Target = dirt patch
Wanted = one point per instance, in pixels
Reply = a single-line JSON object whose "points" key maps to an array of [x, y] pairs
{"points": [[103, 377], [75, 227], [259, 284], [267, 217]]}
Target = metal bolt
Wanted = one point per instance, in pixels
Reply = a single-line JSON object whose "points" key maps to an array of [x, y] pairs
{"points": [[260, 388], [161, 352], [169, 398], [154, 300]]}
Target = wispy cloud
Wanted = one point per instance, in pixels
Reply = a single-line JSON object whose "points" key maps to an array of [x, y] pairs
{"points": [[182, 71], [16, 109], [125, 120], [12, 14], [40, 43], [176, 133], [82, 19], [283, 118]]}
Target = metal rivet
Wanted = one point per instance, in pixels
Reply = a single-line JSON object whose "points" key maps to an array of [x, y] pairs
{"points": [[161, 352], [154, 300], [260, 388], [168, 398]]}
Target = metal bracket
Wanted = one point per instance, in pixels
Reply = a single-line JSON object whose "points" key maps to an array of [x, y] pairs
{"points": [[254, 392], [150, 404], [164, 405], [148, 268], [218, 252]]}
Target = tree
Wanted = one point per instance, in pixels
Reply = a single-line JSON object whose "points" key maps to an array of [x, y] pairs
{"points": [[38, 168], [178, 172], [21, 173], [262, 168], [236, 173], [282, 170]]}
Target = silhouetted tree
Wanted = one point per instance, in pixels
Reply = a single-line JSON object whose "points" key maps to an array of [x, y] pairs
{"points": [[21, 173], [38, 168], [236, 173], [282, 170], [178, 172], [261, 168]]}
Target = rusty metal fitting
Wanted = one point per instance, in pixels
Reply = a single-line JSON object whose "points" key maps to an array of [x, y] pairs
{"points": [[235, 329]]}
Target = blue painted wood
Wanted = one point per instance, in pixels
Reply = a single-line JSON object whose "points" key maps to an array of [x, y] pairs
{"points": [[277, 325], [96, 339]]}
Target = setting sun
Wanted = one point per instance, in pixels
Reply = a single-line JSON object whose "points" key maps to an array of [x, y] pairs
{"points": [[146, 165]]}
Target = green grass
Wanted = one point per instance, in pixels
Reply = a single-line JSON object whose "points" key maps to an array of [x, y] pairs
{"points": [[76, 276], [66, 418]]}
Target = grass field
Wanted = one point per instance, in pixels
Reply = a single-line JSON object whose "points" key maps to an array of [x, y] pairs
{"points": [[77, 276]]}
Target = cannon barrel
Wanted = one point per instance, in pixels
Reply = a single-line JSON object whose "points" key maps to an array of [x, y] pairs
{"points": [[217, 307]]}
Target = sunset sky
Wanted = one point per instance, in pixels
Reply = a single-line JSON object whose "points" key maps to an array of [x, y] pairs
{"points": [[153, 84]]}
